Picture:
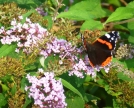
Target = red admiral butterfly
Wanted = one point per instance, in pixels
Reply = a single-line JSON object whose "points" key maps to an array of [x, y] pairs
{"points": [[100, 51]]}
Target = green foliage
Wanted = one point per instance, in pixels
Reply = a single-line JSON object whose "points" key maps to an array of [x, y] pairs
{"points": [[116, 86], [3, 101], [92, 25], [117, 15], [69, 86], [6, 49], [86, 12], [75, 102]]}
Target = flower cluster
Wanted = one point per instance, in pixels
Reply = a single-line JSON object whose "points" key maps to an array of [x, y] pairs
{"points": [[81, 66], [65, 50], [27, 35], [125, 51], [61, 47], [46, 91], [31, 35]]}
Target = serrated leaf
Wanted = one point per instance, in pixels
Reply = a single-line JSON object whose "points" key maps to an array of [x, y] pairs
{"points": [[75, 102], [70, 87], [92, 25], [84, 10], [3, 101], [6, 49], [120, 14], [123, 77]]}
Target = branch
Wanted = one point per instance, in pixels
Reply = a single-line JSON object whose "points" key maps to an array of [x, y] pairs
{"points": [[121, 22], [124, 2]]}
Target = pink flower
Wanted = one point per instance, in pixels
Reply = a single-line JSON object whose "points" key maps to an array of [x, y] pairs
{"points": [[27, 35], [46, 91]]}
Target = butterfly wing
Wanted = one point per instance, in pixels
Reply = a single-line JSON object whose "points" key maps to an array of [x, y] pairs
{"points": [[100, 51], [107, 41], [97, 55]]}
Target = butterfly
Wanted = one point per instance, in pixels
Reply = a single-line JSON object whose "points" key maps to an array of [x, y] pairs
{"points": [[100, 51]]}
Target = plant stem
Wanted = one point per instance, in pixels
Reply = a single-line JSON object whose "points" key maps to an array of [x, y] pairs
{"points": [[121, 22]]}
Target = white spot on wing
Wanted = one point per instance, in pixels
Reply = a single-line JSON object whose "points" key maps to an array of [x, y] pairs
{"points": [[113, 32], [112, 38], [107, 35]]}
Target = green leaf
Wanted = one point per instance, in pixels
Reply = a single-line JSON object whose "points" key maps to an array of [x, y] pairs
{"points": [[131, 39], [6, 49], [3, 101], [25, 1], [130, 25], [88, 78], [90, 97], [116, 94], [120, 14], [130, 5], [24, 82], [101, 82], [81, 15], [75, 102], [4, 87], [116, 104], [6, 78], [129, 63], [114, 2], [70, 87], [14, 89], [92, 25], [121, 27], [54, 2], [123, 77], [27, 102], [84, 10]]}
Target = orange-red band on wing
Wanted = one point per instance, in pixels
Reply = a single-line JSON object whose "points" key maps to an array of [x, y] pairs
{"points": [[91, 63], [105, 42], [107, 61]]}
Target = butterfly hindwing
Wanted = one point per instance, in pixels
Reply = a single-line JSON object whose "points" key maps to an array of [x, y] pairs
{"points": [[97, 55]]}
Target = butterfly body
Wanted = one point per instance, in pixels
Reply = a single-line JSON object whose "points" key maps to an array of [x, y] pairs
{"points": [[100, 51]]}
